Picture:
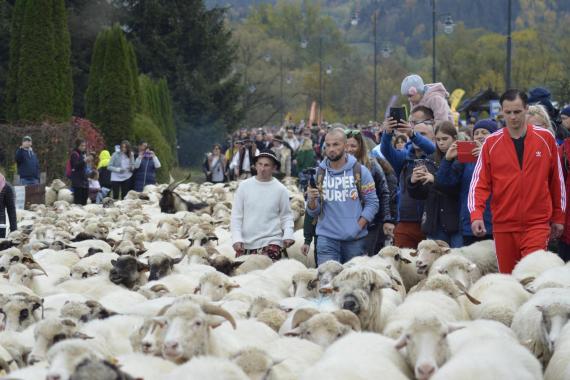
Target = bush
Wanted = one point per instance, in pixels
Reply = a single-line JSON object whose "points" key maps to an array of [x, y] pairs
{"points": [[146, 130], [90, 133]]}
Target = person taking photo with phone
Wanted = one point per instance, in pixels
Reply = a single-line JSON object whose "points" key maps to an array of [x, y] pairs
{"points": [[121, 166], [419, 129], [440, 220], [453, 172], [520, 166], [145, 167]]}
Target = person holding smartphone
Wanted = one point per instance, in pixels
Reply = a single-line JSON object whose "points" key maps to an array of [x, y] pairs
{"points": [[146, 165], [440, 220], [452, 172], [419, 129], [121, 167]]}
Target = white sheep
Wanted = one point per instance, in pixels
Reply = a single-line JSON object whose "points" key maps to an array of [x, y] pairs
{"points": [[539, 322], [559, 365], [500, 297], [305, 284], [458, 267], [360, 356], [531, 266], [404, 261], [210, 368], [556, 277]]}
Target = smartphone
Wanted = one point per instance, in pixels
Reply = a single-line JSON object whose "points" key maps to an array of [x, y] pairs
{"points": [[398, 113], [419, 162], [464, 151]]}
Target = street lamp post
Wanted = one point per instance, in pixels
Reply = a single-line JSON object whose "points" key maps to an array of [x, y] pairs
{"points": [[448, 26], [375, 67], [320, 79]]}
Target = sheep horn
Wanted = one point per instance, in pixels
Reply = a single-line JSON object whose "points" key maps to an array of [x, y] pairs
{"points": [[174, 185], [347, 317], [527, 280], [302, 315], [216, 310], [33, 264], [159, 287], [163, 311], [442, 243], [471, 299]]}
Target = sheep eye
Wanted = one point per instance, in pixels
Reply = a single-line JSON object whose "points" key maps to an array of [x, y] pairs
{"points": [[220, 286], [58, 337], [198, 323], [308, 333], [2, 269], [336, 289], [84, 275], [338, 335]]}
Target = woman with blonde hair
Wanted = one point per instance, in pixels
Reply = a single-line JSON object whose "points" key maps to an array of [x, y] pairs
{"points": [[538, 116]]}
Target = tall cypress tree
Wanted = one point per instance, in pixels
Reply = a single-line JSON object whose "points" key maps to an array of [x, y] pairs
{"points": [[62, 59], [11, 104], [111, 96], [157, 104], [39, 83]]}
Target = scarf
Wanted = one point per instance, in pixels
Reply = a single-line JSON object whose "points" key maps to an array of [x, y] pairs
{"points": [[104, 158]]}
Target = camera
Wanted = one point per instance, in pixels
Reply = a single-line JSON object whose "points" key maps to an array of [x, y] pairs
{"points": [[311, 172]]}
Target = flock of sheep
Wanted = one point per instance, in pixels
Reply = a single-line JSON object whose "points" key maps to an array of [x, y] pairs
{"points": [[124, 291]]}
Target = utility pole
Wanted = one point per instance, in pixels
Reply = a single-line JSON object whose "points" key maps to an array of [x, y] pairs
{"points": [[375, 118], [281, 104], [433, 29], [509, 46], [320, 79]]}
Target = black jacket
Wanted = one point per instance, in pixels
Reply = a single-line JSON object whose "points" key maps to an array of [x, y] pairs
{"points": [[8, 203], [28, 164], [78, 173], [441, 206], [384, 214]]}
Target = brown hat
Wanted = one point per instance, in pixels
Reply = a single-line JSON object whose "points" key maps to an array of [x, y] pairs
{"points": [[268, 154]]}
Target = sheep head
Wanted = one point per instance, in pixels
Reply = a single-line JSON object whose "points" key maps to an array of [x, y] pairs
{"points": [[428, 252], [127, 271], [554, 316], [215, 285], [305, 284], [161, 265], [18, 311], [327, 271]]}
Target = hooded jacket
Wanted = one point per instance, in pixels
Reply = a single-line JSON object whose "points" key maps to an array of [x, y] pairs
{"points": [[341, 208], [28, 164], [435, 98]]}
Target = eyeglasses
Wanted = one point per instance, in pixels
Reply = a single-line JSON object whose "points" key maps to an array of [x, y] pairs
{"points": [[351, 132], [416, 122]]}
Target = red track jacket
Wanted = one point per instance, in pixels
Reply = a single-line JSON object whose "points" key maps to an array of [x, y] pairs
{"points": [[522, 199]]}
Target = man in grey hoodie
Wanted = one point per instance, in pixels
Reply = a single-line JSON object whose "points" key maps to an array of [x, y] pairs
{"points": [[342, 214]]}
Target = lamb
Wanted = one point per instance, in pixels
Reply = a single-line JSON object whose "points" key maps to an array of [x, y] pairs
{"points": [[531, 266], [64, 357], [538, 323], [360, 356], [285, 358], [425, 303], [404, 261], [482, 254], [48, 332], [327, 271], [359, 290], [85, 311], [500, 297], [323, 328], [188, 333], [304, 284], [559, 366], [215, 285]]}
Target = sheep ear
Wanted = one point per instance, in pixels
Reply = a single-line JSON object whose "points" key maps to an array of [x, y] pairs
{"points": [[442, 244], [232, 286], [141, 267], [401, 342], [295, 332], [454, 327], [313, 284], [414, 253], [540, 308], [161, 321], [302, 315], [527, 280]]}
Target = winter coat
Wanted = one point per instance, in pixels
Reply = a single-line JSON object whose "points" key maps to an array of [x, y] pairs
{"points": [[145, 173], [78, 170], [8, 205], [435, 98], [441, 209], [453, 173], [28, 164], [384, 214]]}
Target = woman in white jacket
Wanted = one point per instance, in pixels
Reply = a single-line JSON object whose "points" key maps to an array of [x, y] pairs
{"points": [[121, 166]]}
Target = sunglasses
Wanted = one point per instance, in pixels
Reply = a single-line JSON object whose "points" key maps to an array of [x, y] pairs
{"points": [[351, 132]]}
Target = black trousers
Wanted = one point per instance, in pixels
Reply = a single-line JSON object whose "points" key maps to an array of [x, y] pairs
{"points": [[80, 195], [564, 251], [121, 188], [468, 240], [2, 233]]}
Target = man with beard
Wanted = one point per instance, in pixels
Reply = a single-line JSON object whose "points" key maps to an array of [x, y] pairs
{"points": [[343, 202]]}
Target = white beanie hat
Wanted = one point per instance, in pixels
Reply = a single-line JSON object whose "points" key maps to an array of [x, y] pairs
{"points": [[412, 84]]}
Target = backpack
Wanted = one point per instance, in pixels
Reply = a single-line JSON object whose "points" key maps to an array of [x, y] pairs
{"points": [[68, 168], [356, 171]]}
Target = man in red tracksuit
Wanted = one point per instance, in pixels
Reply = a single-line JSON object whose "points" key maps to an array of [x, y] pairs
{"points": [[520, 167]]}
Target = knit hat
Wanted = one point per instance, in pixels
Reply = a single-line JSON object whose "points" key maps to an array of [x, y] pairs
{"points": [[565, 111], [412, 84], [536, 95], [268, 154], [488, 124]]}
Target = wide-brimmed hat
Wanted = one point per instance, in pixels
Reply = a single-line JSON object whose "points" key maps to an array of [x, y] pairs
{"points": [[268, 154]]}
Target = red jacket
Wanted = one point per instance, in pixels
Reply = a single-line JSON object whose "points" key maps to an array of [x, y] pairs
{"points": [[565, 158], [522, 199]]}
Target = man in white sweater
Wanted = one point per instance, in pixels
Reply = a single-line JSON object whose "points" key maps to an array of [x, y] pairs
{"points": [[262, 221]]}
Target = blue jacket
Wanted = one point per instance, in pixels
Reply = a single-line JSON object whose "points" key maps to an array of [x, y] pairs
{"points": [[452, 173], [28, 164], [341, 206], [409, 209], [145, 174]]}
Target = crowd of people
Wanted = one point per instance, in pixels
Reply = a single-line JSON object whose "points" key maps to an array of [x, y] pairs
{"points": [[407, 180]]}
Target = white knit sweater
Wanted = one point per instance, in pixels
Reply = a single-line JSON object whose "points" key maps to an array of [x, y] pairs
{"points": [[261, 214]]}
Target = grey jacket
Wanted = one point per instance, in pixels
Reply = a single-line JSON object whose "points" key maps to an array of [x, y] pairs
{"points": [[115, 163]]}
